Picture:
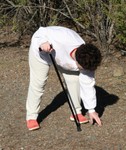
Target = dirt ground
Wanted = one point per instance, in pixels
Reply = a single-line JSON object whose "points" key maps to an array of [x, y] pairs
{"points": [[57, 132]]}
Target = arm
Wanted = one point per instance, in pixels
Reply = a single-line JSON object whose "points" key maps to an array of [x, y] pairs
{"points": [[41, 37], [88, 94]]}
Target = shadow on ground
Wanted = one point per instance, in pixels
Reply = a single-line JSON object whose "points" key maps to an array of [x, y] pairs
{"points": [[57, 102], [103, 99]]}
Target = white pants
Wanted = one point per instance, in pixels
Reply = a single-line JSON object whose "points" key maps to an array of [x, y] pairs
{"points": [[38, 76]]}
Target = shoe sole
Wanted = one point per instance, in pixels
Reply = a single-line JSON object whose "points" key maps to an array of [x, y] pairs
{"points": [[35, 128], [81, 122]]}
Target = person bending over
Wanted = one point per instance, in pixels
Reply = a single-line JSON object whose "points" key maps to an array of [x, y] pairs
{"points": [[76, 60]]}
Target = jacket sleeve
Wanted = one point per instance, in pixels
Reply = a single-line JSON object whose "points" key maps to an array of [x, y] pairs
{"points": [[87, 89], [39, 37]]}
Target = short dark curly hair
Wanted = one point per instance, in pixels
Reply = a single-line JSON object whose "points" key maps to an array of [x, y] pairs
{"points": [[88, 56]]}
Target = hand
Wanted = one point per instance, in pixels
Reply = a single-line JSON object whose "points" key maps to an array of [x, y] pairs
{"points": [[94, 116], [46, 47]]}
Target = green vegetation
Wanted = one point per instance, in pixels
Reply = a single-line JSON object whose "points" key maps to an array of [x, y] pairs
{"points": [[102, 20]]}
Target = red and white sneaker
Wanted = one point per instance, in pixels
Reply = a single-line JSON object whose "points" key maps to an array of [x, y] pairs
{"points": [[81, 118], [32, 125]]}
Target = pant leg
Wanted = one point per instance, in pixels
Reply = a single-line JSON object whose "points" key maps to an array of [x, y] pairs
{"points": [[38, 77], [72, 82]]}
